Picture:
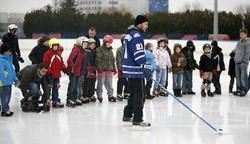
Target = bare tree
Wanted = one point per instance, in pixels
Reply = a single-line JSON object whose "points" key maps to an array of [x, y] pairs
{"points": [[244, 11]]}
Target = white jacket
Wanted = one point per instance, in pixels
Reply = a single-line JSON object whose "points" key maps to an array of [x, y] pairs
{"points": [[162, 58]]}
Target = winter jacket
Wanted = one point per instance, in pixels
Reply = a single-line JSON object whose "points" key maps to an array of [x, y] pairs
{"points": [[151, 59], [97, 40], [242, 53], [105, 59], [55, 62], [30, 74], [189, 55], [75, 61], [89, 61], [12, 41], [119, 56], [178, 58], [37, 53], [219, 58], [231, 68], [134, 56], [7, 71], [207, 63], [162, 58]]}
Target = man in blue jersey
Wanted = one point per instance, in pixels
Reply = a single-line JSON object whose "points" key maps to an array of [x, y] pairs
{"points": [[135, 69]]}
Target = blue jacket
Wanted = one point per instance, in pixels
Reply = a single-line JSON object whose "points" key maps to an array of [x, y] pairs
{"points": [[7, 71], [134, 55], [150, 59]]}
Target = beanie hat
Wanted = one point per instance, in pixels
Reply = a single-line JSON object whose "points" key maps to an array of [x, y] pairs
{"points": [[140, 19], [5, 47], [214, 43], [190, 43], [44, 38]]}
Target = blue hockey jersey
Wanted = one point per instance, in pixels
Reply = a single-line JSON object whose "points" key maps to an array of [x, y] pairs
{"points": [[134, 55]]}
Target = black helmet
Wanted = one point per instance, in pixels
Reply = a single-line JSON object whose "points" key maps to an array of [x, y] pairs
{"points": [[206, 46]]}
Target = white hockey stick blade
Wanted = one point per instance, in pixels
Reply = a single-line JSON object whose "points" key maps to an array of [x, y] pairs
{"points": [[220, 131]]}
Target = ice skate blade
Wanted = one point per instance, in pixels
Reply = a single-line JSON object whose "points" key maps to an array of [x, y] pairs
{"points": [[127, 124], [220, 131], [139, 128]]}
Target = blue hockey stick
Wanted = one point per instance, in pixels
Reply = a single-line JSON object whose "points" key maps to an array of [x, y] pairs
{"points": [[220, 131]]}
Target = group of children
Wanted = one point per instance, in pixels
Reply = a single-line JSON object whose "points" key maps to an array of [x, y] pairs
{"points": [[180, 63]]}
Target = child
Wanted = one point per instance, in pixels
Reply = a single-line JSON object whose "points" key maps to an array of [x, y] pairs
{"points": [[89, 71], [207, 70], [121, 80], [178, 62], [151, 61], [55, 62], [168, 70], [163, 61], [105, 63], [231, 70], [74, 70], [7, 77]]}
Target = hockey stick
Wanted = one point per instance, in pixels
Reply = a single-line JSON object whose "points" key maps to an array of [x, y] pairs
{"points": [[220, 131]]}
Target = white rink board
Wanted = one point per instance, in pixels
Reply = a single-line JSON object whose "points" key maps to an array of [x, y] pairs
{"points": [[228, 46]]}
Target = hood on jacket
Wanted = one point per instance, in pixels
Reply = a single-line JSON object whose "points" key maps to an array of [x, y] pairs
{"points": [[217, 48], [8, 57], [176, 46]]}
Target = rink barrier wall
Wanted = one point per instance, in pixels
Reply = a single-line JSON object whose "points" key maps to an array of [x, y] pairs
{"points": [[227, 46]]}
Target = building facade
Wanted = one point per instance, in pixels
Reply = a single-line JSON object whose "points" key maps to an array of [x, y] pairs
{"points": [[94, 6]]}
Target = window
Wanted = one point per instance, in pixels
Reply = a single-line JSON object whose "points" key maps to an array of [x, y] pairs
{"points": [[100, 2], [113, 2]]}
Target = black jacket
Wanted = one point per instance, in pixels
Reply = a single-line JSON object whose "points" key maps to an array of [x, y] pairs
{"points": [[36, 54], [29, 74], [218, 57], [169, 51], [12, 41], [207, 63], [190, 61], [231, 68], [97, 40], [89, 61]]}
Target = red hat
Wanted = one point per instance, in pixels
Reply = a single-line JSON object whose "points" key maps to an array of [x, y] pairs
{"points": [[107, 38]]}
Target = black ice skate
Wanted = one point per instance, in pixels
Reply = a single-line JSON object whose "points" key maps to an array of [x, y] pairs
{"points": [[141, 126], [127, 121], [112, 99], [126, 95], [78, 102], [84, 100], [209, 93], [203, 93], [120, 97], [58, 104], [92, 99], [70, 103]]}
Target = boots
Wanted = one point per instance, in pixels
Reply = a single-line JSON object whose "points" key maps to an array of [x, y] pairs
{"points": [[177, 92], [217, 91], [203, 93], [209, 93]]}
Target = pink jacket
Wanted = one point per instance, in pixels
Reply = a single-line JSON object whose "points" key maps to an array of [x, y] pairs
{"points": [[162, 58]]}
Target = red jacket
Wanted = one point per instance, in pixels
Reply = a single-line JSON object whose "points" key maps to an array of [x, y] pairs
{"points": [[75, 61], [55, 62]]}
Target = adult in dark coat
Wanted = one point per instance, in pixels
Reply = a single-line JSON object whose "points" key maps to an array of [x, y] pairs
{"points": [[220, 65], [36, 54], [92, 34], [11, 39]]}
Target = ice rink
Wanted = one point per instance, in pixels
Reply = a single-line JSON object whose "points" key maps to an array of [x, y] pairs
{"points": [[101, 123]]}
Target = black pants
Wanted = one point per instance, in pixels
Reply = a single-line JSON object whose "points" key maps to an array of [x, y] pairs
{"points": [[120, 83], [16, 64], [136, 100], [216, 80], [148, 87], [88, 87]]}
